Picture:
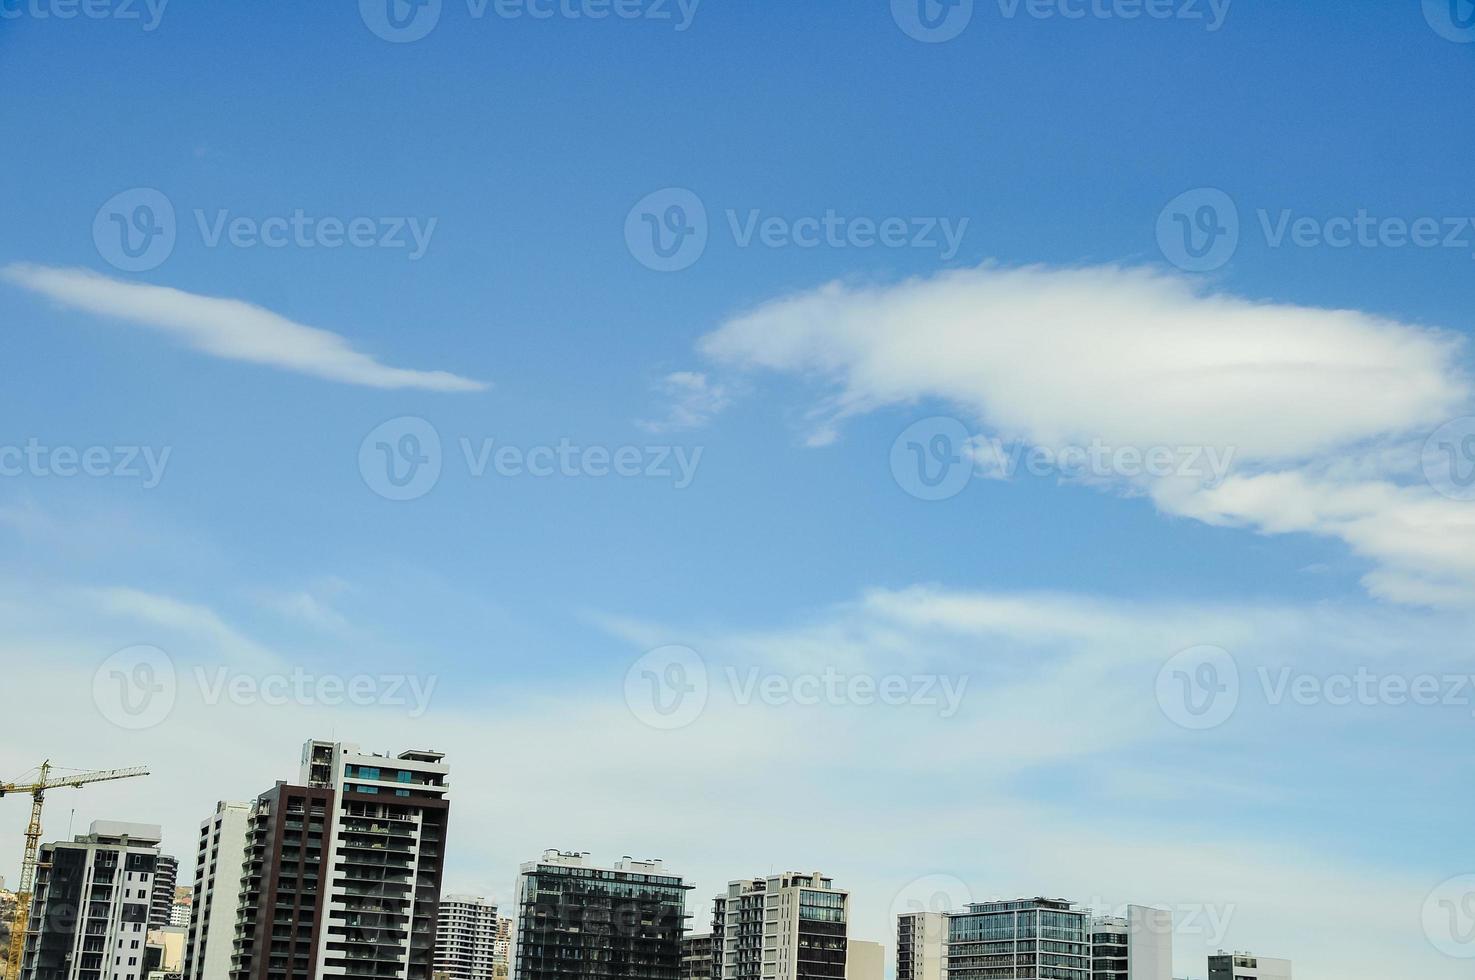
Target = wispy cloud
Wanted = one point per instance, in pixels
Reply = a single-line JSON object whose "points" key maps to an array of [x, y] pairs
{"points": [[227, 328], [1323, 411], [692, 400]]}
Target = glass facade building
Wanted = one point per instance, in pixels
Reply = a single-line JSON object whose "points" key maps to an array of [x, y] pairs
{"points": [[578, 922], [1026, 939]]}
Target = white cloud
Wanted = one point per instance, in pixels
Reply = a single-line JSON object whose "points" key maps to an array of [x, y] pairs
{"points": [[227, 328], [1323, 411], [692, 401]]}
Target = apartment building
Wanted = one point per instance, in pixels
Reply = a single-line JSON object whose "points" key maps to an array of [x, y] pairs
{"points": [[502, 951], [921, 945], [1024, 939], [219, 861], [166, 876], [466, 938], [335, 875], [387, 847], [91, 905], [696, 956], [788, 926], [580, 921], [1247, 966], [1134, 946], [279, 905]]}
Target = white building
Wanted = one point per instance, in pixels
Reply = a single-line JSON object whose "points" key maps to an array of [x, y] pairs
{"points": [[1247, 966], [782, 927], [466, 938], [921, 945], [219, 862], [1135, 946], [108, 877]]}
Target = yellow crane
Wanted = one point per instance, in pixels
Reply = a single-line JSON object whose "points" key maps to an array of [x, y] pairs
{"points": [[38, 790]]}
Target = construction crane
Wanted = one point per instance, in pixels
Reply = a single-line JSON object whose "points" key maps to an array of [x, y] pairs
{"points": [[38, 790]]}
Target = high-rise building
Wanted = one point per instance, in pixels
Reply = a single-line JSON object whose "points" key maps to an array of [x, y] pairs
{"points": [[696, 956], [576, 921], [864, 960], [219, 861], [921, 945], [1247, 966], [1026, 939], [166, 875], [783, 927], [179, 914], [387, 849], [502, 951], [279, 909], [1135, 946], [466, 938], [337, 874], [90, 909]]}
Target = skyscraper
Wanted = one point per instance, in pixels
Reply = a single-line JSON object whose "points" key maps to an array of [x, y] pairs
{"points": [[90, 909], [466, 938], [280, 904], [337, 874], [576, 921], [1026, 939], [783, 927], [387, 848]]}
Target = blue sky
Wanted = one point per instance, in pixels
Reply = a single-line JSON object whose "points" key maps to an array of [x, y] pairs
{"points": [[1058, 319]]}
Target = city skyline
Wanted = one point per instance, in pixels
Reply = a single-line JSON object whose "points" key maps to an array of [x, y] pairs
{"points": [[1145, 930]]}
